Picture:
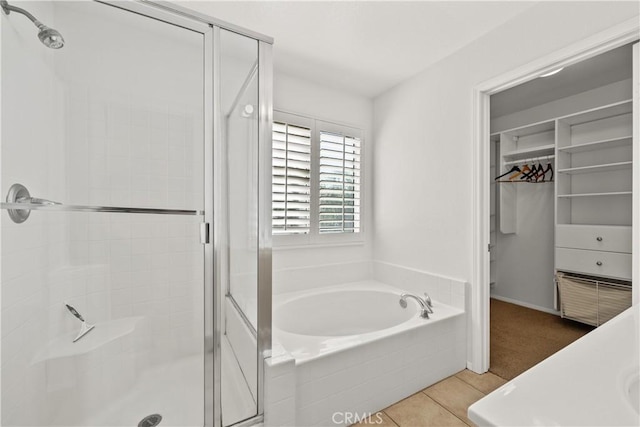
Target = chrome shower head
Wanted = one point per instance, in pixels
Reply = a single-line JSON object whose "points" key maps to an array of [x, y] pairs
{"points": [[48, 36]]}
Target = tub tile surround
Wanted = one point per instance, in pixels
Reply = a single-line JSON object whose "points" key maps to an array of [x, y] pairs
{"points": [[444, 289], [376, 374], [304, 278], [279, 389], [447, 290]]}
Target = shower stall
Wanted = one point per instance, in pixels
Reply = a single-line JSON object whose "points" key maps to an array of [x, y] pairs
{"points": [[135, 248]]}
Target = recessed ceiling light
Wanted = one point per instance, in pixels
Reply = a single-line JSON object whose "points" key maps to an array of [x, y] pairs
{"points": [[552, 72]]}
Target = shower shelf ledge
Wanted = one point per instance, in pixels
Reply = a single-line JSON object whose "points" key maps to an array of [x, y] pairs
{"points": [[102, 334]]}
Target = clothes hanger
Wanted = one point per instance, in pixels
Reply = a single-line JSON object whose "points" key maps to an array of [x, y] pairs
{"points": [[524, 169], [540, 173], [515, 168], [547, 170], [530, 174]]}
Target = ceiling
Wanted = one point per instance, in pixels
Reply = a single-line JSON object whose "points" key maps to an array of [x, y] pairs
{"points": [[366, 47], [609, 67]]}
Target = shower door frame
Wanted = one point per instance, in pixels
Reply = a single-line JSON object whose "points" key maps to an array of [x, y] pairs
{"points": [[214, 204]]}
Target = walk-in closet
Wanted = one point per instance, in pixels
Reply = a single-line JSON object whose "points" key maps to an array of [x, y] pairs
{"points": [[561, 191]]}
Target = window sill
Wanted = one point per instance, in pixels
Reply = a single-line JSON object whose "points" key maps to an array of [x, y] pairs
{"points": [[297, 246]]}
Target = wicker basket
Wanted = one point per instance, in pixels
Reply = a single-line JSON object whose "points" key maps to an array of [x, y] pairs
{"points": [[592, 300]]}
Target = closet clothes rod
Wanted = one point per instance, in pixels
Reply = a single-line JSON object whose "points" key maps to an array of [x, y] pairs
{"points": [[529, 160], [533, 175], [523, 181]]}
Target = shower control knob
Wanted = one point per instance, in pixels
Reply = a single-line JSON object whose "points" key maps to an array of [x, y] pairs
{"points": [[598, 263], [599, 239]]}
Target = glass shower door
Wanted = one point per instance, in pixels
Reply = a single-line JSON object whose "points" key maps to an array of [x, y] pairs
{"points": [[239, 111], [103, 293]]}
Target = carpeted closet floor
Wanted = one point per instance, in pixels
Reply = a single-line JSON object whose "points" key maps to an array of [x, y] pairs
{"points": [[522, 337]]}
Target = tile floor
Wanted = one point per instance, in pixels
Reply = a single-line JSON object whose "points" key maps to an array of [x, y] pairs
{"points": [[442, 404]]}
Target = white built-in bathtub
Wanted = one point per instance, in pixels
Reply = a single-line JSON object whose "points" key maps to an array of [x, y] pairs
{"points": [[355, 350]]}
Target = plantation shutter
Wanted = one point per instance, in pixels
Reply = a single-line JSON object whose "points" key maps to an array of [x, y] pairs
{"points": [[339, 182], [291, 173]]}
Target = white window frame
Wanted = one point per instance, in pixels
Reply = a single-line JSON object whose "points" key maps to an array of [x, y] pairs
{"points": [[314, 237]]}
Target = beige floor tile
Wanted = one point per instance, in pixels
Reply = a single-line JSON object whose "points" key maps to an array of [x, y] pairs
{"points": [[421, 411], [382, 421], [455, 395], [486, 382]]}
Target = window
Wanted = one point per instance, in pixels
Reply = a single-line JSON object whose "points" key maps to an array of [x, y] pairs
{"points": [[316, 180], [291, 185], [339, 183]]}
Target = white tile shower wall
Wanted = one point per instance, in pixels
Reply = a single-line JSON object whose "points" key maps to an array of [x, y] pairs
{"points": [[297, 279], [444, 289], [368, 378], [154, 272], [126, 150], [96, 376], [30, 144], [134, 140], [90, 145]]}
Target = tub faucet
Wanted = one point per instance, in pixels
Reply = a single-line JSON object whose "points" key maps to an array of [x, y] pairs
{"points": [[424, 306]]}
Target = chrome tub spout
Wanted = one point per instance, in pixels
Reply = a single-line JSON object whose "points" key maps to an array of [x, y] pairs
{"points": [[425, 307]]}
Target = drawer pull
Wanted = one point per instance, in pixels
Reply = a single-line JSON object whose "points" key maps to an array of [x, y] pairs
{"points": [[598, 263], [599, 239]]}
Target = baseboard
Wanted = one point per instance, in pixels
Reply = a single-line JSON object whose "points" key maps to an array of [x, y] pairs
{"points": [[470, 367], [526, 304]]}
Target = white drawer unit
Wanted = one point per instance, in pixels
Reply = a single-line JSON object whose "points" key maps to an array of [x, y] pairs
{"points": [[594, 237], [597, 263], [594, 187]]}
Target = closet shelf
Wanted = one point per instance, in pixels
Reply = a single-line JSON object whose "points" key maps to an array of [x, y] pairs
{"points": [[530, 159], [541, 150], [598, 145], [531, 129], [570, 225], [615, 193], [597, 168], [606, 111]]}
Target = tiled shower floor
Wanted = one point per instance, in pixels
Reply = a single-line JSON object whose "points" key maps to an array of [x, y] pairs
{"points": [[442, 404], [175, 390]]}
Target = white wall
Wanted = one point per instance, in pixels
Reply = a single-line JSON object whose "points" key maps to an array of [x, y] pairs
{"points": [[295, 95], [423, 132]]}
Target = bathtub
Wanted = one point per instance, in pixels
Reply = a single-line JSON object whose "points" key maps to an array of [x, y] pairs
{"points": [[356, 350]]}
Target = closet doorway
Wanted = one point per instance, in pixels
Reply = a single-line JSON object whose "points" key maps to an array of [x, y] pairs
{"points": [[560, 225]]}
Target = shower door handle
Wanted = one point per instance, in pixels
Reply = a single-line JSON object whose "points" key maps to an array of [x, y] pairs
{"points": [[20, 203], [36, 201], [18, 193]]}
